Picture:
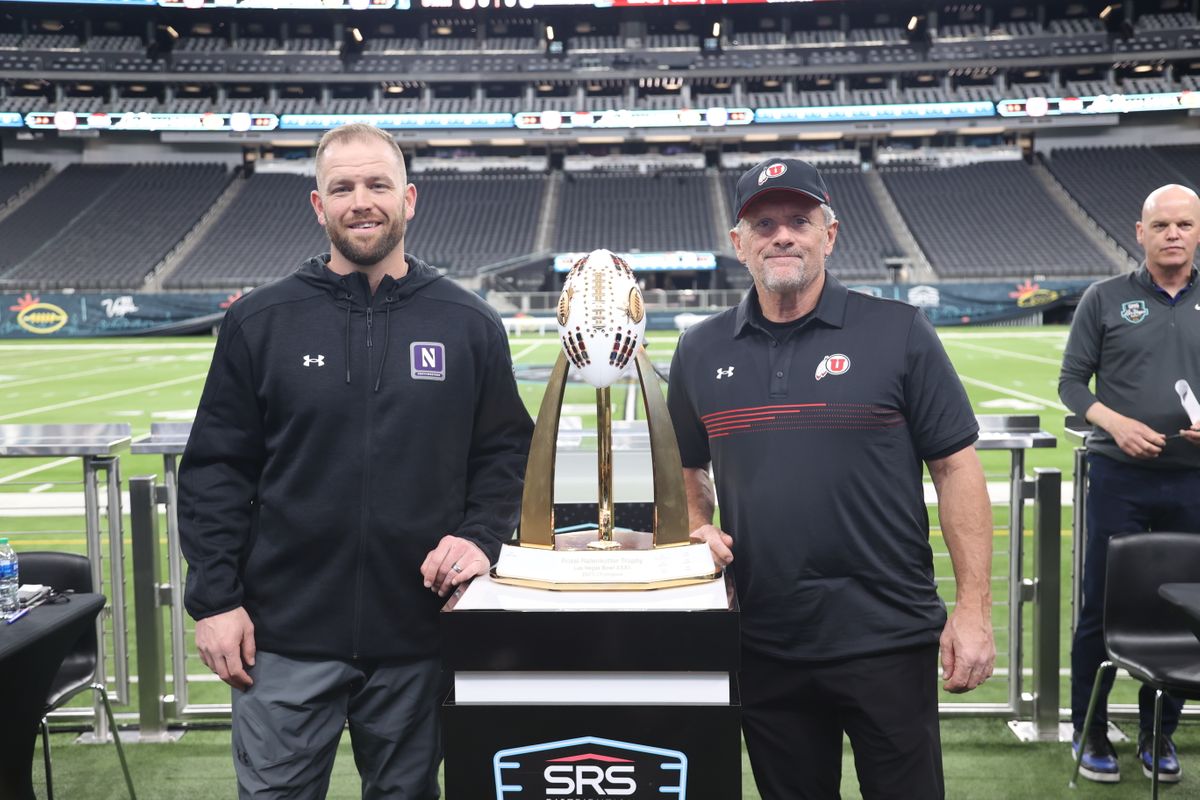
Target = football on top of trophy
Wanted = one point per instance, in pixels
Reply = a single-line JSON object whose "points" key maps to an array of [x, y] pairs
{"points": [[601, 317]]}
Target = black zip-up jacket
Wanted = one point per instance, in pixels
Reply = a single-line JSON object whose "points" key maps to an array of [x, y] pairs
{"points": [[340, 435]]}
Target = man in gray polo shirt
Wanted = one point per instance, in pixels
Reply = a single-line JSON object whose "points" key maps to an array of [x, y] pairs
{"points": [[1138, 334], [816, 407]]}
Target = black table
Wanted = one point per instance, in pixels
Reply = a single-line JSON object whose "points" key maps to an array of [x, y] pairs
{"points": [[1185, 597], [31, 651]]}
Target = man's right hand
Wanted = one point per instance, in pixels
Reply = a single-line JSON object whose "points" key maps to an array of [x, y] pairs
{"points": [[226, 645], [1135, 438], [718, 541]]}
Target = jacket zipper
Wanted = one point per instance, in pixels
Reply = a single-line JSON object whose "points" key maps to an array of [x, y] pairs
{"points": [[366, 488]]}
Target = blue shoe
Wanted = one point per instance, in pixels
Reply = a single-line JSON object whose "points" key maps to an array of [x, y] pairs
{"points": [[1169, 770], [1099, 757]]}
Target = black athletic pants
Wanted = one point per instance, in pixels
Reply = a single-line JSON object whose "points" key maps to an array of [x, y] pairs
{"points": [[794, 714]]}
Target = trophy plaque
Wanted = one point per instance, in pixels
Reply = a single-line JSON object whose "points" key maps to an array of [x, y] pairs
{"points": [[601, 323]]}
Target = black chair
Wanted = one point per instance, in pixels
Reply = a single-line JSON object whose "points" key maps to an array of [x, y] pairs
{"points": [[63, 571], [1143, 634]]}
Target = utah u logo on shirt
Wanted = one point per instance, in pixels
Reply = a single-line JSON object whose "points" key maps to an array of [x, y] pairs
{"points": [[836, 364]]}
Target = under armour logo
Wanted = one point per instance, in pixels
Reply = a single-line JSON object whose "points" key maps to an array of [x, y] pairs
{"points": [[317, 361], [727, 372]]}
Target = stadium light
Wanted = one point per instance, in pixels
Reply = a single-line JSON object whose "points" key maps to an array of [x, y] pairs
{"points": [[352, 44], [164, 40], [916, 31]]}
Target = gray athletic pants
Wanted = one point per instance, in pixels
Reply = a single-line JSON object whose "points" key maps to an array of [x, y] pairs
{"points": [[287, 725]]}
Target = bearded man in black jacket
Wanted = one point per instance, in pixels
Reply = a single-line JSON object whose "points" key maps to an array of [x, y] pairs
{"points": [[358, 452]]}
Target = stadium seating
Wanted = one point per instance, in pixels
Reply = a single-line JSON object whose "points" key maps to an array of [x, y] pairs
{"points": [[626, 211], [255, 50], [269, 228], [991, 220], [264, 233], [1186, 161], [465, 222], [15, 177], [131, 223], [50, 211], [1090, 174]]}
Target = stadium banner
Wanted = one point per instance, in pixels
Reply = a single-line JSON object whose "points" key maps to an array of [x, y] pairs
{"points": [[47, 315], [979, 303]]}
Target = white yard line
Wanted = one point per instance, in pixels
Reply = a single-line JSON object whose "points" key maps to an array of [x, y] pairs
{"points": [[518, 356], [1008, 353], [34, 470], [1012, 392], [79, 357], [104, 346], [48, 378], [998, 335], [94, 398]]}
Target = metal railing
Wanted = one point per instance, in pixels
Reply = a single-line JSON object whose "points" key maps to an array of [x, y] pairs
{"points": [[145, 497], [1034, 713]]}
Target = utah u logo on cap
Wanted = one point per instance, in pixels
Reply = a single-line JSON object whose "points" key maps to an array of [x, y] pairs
{"points": [[771, 171]]}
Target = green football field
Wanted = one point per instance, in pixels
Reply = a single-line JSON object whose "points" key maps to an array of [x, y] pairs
{"points": [[141, 381]]}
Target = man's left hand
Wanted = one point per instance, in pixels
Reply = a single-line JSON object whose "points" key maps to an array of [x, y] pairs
{"points": [[1192, 434], [968, 650], [455, 560]]}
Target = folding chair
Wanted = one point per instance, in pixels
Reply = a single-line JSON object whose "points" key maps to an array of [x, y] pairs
{"points": [[63, 571], [1143, 634]]}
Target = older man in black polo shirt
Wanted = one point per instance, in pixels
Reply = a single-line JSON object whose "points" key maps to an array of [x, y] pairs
{"points": [[815, 407]]}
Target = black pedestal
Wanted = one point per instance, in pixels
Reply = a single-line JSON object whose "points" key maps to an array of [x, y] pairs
{"points": [[574, 741]]}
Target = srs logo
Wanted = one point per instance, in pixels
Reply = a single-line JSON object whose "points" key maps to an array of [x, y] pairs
{"points": [[589, 768], [590, 780]]}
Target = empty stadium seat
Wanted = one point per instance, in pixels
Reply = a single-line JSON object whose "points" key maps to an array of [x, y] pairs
{"points": [[125, 220], [631, 211], [1090, 174], [991, 220]]}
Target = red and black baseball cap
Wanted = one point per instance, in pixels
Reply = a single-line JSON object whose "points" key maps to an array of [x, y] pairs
{"points": [[778, 174]]}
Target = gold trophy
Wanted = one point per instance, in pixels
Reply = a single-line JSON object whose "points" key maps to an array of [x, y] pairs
{"points": [[601, 321]]}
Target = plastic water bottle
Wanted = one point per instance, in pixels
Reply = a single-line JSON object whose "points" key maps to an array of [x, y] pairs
{"points": [[10, 580]]}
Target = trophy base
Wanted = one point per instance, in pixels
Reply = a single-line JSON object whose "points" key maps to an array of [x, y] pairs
{"points": [[605, 570]]}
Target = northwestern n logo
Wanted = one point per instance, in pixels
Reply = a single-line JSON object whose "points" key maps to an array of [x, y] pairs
{"points": [[427, 361]]}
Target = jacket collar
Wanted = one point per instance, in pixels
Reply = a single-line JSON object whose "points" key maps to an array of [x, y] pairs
{"points": [[1143, 277]]}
